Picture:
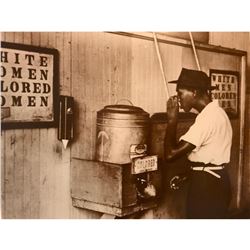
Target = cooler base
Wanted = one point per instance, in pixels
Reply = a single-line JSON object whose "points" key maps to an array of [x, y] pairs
{"points": [[120, 212]]}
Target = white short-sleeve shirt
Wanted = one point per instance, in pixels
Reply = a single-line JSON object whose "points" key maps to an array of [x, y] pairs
{"points": [[211, 133]]}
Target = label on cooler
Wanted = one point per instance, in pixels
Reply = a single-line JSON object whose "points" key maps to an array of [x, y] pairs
{"points": [[137, 150], [144, 164]]}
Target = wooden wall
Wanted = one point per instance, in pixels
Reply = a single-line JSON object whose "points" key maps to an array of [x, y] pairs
{"points": [[240, 40], [35, 167], [97, 69]]}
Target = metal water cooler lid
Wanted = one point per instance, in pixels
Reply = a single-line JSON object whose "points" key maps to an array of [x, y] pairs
{"points": [[121, 111]]}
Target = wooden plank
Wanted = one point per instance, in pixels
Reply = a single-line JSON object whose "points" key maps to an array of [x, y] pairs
{"points": [[120, 212], [61, 185], [9, 37], [35, 38], [67, 67], [19, 37], [79, 85], [242, 108], [27, 175], [182, 42], [2, 174], [92, 91], [35, 157], [18, 174], [59, 46], [54, 154], [44, 39], [2, 36], [27, 39], [8, 167], [35, 174], [106, 70], [124, 58], [9, 173], [18, 159], [115, 69], [45, 146], [97, 182], [45, 192], [79, 102], [57, 184], [27, 163]]}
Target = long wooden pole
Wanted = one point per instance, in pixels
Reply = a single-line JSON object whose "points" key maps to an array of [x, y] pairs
{"points": [[242, 129], [194, 50], [161, 66]]}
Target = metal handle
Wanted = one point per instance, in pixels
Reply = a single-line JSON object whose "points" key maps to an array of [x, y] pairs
{"points": [[125, 100]]}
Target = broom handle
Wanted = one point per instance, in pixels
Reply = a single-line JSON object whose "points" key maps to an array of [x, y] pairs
{"points": [[161, 66], [194, 50]]}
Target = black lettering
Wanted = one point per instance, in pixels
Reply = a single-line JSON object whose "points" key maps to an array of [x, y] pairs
{"points": [[16, 100], [44, 74], [217, 87], [223, 87], [228, 78], [2, 87], [26, 87], [43, 61], [214, 78], [3, 101], [17, 58], [215, 95], [219, 78], [37, 87], [31, 101], [46, 88], [16, 72], [3, 71], [232, 79], [229, 87], [44, 101], [29, 59], [32, 74], [223, 104], [14, 87], [4, 56]]}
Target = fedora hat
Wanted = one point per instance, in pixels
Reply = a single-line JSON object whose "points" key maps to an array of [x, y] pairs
{"points": [[193, 79]]}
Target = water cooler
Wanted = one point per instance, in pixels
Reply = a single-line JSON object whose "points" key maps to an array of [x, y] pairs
{"points": [[124, 178]]}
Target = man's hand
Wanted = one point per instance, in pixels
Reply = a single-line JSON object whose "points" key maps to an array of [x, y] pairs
{"points": [[178, 181], [172, 107]]}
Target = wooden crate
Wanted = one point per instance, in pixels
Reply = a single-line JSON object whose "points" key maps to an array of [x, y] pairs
{"points": [[108, 188]]}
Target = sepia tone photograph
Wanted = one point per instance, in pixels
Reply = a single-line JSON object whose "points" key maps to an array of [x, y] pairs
{"points": [[125, 125]]}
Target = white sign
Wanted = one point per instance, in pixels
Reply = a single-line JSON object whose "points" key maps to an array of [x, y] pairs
{"points": [[227, 84], [27, 84], [144, 164]]}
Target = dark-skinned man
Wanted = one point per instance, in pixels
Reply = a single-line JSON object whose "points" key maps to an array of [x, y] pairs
{"points": [[207, 145]]}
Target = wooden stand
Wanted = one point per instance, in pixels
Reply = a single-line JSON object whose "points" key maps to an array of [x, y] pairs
{"points": [[108, 188]]}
